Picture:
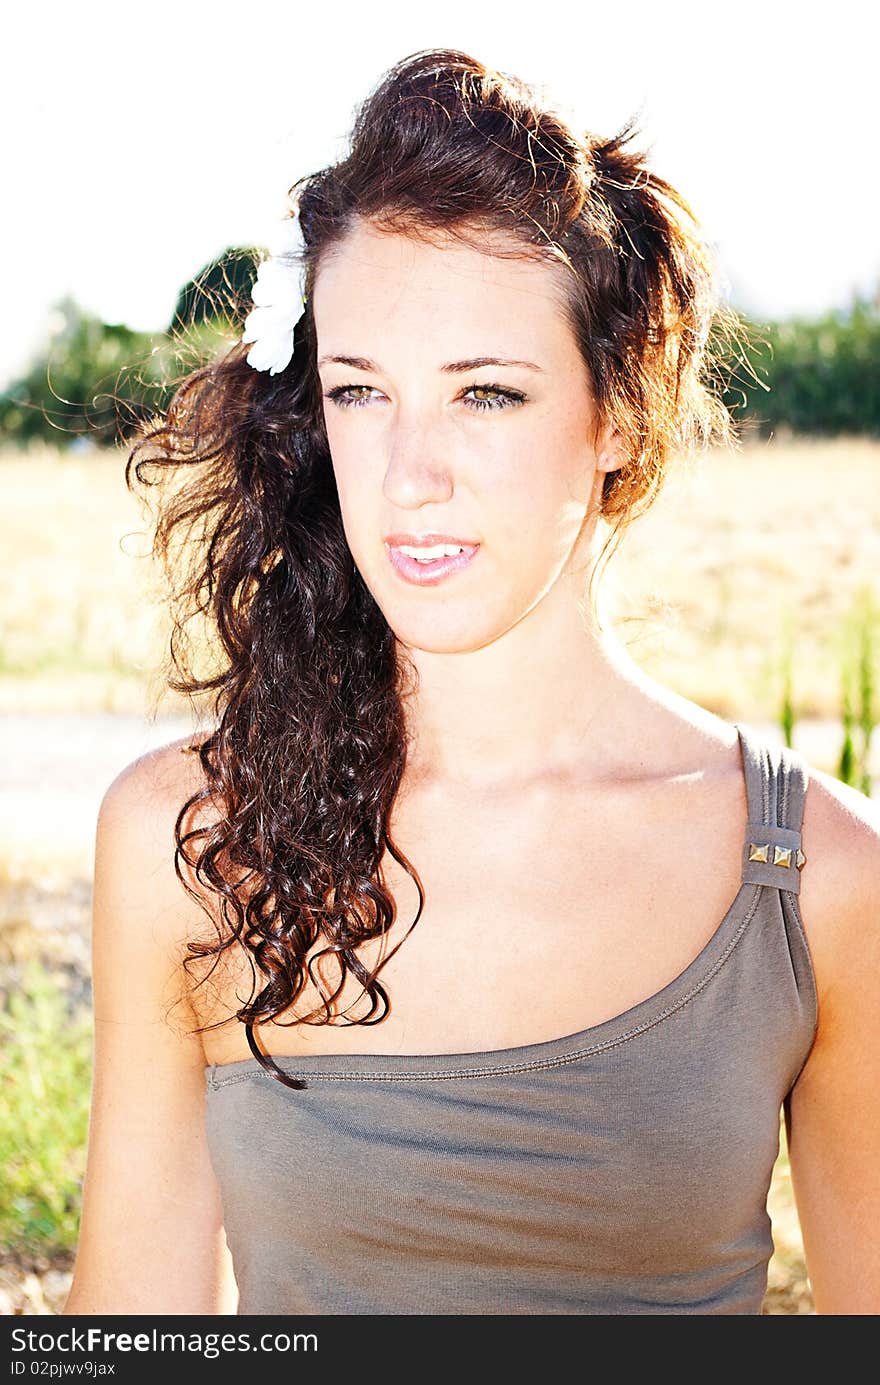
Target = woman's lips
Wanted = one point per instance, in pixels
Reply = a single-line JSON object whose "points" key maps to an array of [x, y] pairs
{"points": [[429, 574]]}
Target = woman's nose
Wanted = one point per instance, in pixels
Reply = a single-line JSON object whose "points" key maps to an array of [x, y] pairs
{"points": [[416, 469]]}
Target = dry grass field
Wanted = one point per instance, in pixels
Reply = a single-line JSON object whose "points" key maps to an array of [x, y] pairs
{"points": [[742, 553], [739, 550]]}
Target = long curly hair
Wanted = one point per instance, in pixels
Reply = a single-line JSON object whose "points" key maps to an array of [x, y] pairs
{"points": [[309, 739]]}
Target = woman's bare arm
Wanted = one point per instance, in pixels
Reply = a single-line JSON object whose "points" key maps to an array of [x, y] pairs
{"points": [[834, 1109], [151, 1236]]}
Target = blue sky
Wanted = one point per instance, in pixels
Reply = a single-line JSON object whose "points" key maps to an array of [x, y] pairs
{"points": [[144, 139]]}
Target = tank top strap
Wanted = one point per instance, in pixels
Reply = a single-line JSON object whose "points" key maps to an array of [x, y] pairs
{"points": [[776, 785]]}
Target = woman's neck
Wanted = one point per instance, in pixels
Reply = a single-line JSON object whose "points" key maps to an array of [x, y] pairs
{"points": [[552, 694]]}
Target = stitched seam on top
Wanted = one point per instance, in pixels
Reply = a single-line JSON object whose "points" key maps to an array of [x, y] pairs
{"points": [[499, 1070], [794, 900]]}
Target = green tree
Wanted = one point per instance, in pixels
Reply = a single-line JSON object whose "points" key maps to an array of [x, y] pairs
{"points": [[95, 379], [220, 291], [816, 376], [104, 380]]}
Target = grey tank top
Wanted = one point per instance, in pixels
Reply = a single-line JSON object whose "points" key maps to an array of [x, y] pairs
{"points": [[623, 1169]]}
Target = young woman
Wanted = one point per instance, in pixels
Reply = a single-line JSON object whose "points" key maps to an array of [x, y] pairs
{"points": [[464, 969]]}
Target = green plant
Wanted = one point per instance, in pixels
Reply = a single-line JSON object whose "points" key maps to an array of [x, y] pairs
{"points": [[847, 761], [858, 647], [867, 713], [45, 1076], [787, 709]]}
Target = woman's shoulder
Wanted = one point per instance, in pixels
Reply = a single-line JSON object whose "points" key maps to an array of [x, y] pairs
{"points": [[146, 796], [839, 897], [136, 845], [840, 886], [158, 775], [840, 828], [843, 822]]}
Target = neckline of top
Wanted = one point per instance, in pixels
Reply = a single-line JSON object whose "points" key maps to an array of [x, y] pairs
{"points": [[545, 1053]]}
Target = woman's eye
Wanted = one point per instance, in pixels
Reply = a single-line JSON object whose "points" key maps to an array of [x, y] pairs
{"points": [[345, 396], [500, 398], [485, 396]]}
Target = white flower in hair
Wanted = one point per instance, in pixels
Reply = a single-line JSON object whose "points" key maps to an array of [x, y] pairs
{"points": [[278, 296]]}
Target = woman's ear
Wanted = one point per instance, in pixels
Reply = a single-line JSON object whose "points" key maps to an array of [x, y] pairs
{"points": [[609, 449]]}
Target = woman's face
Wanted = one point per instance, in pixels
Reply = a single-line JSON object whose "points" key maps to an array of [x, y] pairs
{"points": [[427, 440]]}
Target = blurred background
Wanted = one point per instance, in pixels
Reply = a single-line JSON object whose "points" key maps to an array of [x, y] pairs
{"points": [[148, 152]]}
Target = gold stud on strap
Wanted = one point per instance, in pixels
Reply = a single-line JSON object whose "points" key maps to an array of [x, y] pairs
{"points": [[759, 851]]}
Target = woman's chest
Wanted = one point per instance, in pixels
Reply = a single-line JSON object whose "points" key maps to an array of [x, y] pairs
{"points": [[576, 1185], [545, 912]]}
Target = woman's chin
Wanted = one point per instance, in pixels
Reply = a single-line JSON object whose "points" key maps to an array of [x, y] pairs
{"points": [[434, 635]]}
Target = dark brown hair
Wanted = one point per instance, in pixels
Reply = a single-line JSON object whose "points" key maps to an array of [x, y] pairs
{"points": [[309, 746]]}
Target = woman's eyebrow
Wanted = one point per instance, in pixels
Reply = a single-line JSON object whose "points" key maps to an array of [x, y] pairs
{"points": [[451, 367]]}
